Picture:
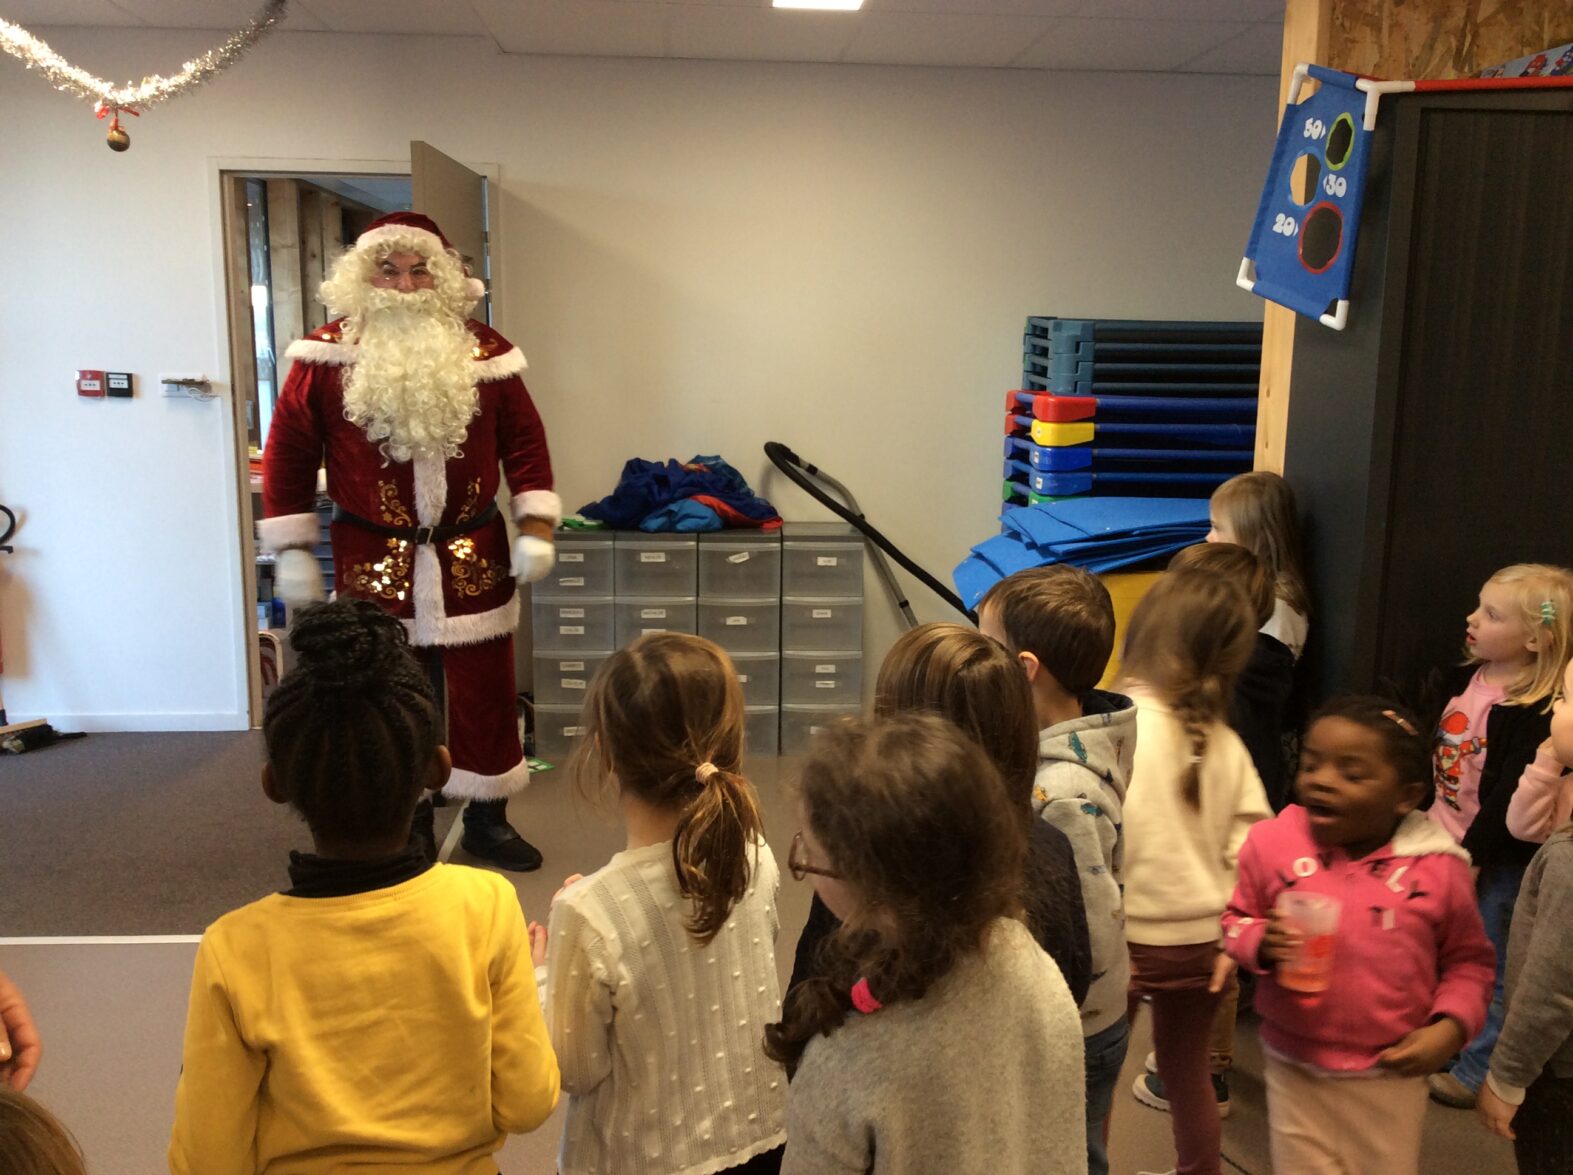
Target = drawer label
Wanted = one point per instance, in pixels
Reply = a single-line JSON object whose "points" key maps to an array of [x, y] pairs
{"points": [[740, 557], [742, 679], [652, 614], [571, 613], [824, 668], [824, 685], [572, 731], [573, 683], [822, 613], [826, 561], [571, 629], [571, 557], [652, 556], [571, 581], [648, 631], [570, 666], [736, 621]]}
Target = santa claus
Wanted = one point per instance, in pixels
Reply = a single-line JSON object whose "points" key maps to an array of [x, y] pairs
{"points": [[413, 407]]}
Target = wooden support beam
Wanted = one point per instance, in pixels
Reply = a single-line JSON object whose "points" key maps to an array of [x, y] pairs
{"points": [[284, 263]]}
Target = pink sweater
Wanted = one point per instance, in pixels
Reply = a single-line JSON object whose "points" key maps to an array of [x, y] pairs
{"points": [[1543, 800], [1410, 945]]}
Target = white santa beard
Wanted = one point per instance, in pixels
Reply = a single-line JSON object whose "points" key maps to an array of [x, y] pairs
{"points": [[412, 386]]}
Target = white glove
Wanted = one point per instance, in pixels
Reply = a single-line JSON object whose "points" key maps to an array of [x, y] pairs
{"points": [[297, 578], [533, 558]]}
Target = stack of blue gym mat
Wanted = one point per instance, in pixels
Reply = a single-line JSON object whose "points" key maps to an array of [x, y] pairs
{"points": [[1131, 407]]}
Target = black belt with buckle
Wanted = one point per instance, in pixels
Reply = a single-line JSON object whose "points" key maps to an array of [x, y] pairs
{"points": [[419, 535]]}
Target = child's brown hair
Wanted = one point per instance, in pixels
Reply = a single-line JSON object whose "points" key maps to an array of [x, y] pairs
{"points": [[1060, 614], [1188, 641], [914, 822], [1258, 508], [962, 675], [664, 717], [32, 1140], [1237, 563]]}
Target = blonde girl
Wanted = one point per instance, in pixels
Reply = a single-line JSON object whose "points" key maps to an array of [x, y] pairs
{"points": [[661, 969], [1257, 511], [1489, 736]]}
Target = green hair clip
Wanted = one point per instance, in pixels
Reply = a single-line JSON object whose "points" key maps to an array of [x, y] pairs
{"points": [[1548, 612]]}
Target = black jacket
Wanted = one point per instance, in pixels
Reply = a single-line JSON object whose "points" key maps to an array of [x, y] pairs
{"points": [[1257, 713], [1513, 735], [1055, 914]]}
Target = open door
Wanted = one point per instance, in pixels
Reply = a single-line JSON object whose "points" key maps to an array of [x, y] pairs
{"points": [[455, 197]]}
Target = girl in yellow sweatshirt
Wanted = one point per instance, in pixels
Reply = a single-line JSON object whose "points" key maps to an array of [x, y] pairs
{"points": [[382, 1012]]}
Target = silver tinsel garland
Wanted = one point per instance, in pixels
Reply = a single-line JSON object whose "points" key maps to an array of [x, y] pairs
{"points": [[110, 99]]}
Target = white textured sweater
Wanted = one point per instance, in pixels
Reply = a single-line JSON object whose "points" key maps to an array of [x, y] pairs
{"points": [[984, 1073], [1180, 861], [660, 1039]]}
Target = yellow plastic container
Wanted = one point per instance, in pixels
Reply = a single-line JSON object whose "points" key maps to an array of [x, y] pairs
{"points": [[1126, 588]]}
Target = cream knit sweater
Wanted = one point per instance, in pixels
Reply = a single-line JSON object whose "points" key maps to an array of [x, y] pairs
{"points": [[1179, 860], [660, 1040]]}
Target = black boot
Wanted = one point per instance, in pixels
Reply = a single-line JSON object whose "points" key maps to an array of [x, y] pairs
{"points": [[489, 836], [423, 829]]}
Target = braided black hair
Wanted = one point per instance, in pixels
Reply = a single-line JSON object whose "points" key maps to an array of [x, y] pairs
{"points": [[1405, 740], [351, 730]]}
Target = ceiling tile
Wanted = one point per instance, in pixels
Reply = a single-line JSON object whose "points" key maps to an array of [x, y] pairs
{"points": [[977, 7], [1211, 10], [1083, 44], [1258, 50], [605, 28], [756, 34], [210, 14], [440, 18], [917, 38], [34, 14]]}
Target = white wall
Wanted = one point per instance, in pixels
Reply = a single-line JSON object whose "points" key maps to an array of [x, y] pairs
{"points": [[696, 257]]}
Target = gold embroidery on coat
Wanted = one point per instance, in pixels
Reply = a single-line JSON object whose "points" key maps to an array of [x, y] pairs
{"points": [[393, 511], [472, 575], [470, 498], [386, 579]]}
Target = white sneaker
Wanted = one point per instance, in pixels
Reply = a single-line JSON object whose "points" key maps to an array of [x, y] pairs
{"points": [[1151, 1064]]}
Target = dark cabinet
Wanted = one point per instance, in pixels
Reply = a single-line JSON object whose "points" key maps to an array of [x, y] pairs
{"points": [[1431, 442]]}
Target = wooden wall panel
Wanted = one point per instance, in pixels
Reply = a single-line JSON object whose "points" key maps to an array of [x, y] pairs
{"points": [[1442, 38]]}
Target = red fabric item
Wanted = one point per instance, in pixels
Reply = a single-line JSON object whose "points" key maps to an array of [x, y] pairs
{"points": [[483, 727], [730, 517]]}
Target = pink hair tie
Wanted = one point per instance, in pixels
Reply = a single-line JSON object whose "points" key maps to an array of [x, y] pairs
{"points": [[704, 771], [863, 999]]}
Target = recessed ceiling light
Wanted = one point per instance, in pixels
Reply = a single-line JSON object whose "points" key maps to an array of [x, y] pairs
{"points": [[822, 5]]}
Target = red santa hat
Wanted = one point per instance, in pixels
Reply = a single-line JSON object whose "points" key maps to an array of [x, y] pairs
{"points": [[416, 229]]}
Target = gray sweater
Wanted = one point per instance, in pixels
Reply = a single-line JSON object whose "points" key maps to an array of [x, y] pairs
{"points": [[1537, 1035], [1084, 767], [987, 1067]]}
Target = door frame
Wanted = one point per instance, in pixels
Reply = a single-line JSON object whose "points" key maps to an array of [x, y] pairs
{"points": [[224, 172]]}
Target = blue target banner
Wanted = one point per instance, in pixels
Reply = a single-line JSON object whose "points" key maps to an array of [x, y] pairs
{"points": [[1302, 246]]}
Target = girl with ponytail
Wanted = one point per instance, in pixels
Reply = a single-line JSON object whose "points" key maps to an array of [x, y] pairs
{"points": [[660, 966], [1193, 795]]}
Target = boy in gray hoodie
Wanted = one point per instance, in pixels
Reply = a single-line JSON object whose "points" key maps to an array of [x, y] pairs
{"points": [[1059, 622]]}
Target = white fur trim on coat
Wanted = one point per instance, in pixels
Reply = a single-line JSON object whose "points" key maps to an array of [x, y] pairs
{"points": [[284, 531], [467, 785], [432, 624], [320, 352], [537, 504], [510, 362]]}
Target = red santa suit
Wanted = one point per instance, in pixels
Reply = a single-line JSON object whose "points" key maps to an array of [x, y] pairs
{"points": [[451, 586]]}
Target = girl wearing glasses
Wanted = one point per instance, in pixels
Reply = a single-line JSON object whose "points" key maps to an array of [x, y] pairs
{"points": [[938, 1031], [661, 971], [962, 675]]}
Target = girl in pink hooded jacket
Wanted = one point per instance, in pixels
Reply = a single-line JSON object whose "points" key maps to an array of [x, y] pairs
{"points": [[1410, 969]]}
